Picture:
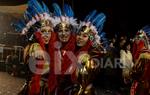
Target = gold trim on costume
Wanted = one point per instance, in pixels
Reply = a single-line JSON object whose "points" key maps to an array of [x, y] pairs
{"points": [[87, 30]]}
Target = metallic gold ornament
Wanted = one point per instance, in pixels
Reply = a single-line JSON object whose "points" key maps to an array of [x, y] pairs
{"points": [[63, 26], [87, 30]]}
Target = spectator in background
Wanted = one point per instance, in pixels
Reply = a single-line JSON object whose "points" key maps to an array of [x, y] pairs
{"points": [[112, 43], [127, 62], [122, 42], [15, 62], [8, 63]]}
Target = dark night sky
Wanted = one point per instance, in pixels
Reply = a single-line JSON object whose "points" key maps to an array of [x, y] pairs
{"points": [[122, 15], [116, 12]]}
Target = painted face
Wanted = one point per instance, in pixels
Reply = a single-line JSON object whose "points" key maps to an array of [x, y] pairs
{"points": [[64, 32], [46, 33], [85, 34], [82, 39]]}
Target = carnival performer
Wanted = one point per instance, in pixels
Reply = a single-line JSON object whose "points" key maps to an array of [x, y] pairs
{"points": [[39, 53], [88, 51], [64, 24], [141, 70]]}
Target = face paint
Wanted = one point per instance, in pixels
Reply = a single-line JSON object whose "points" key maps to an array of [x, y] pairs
{"points": [[46, 34], [64, 32], [83, 36]]}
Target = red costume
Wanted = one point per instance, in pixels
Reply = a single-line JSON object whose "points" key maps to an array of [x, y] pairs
{"points": [[141, 70], [51, 49]]}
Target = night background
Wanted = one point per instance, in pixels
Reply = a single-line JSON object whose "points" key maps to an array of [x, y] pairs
{"points": [[123, 16]]}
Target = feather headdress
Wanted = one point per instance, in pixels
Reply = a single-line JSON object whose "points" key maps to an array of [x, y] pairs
{"points": [[94, 24], [63, 16], [35, 13], [144, 35]]}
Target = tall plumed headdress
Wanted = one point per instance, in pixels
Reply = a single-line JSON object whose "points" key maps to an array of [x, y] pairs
{"points": [[36, 15], [146, 29], [93, 25], [144, 35], [63, 18], [141, 40]]}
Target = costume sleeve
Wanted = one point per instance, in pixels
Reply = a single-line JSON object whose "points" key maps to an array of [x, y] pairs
{"points": [[138, 68], [145, 78]]}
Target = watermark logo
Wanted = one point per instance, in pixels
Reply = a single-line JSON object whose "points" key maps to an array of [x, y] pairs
{"points": [[39, 62]]}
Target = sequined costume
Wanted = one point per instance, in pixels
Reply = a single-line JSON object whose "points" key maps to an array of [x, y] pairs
{"points": [[88, 51], [141, 70], [39, 53]]}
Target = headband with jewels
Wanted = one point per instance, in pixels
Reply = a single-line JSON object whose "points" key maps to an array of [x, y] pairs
{"points": [[63, 19], [36, 16], [93, 25]]}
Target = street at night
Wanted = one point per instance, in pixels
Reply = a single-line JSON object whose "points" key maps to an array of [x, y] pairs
{"points": [[74, 47], [10, 85]]}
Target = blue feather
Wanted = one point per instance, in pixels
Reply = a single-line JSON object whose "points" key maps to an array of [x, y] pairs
{"points": [[28, 15], [18, 27], [57, 10], [99, 29], [35, 4], [102, 19], [99, 19], [25, 16], [34, 8], [38, 6], [102, 34], [45, 8], [90, 16], [31, 11], [96, 18], [22, 23], [146, 28], [100, 23], [68, 11]]}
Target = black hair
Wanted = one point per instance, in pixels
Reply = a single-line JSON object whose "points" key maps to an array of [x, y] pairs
{"points": [[125, 45]]}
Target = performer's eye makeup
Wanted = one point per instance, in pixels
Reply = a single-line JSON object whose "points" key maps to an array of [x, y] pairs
{"points": [[49, 30], [85, 35], [67, 30], [46, 31], [42, 31]]}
